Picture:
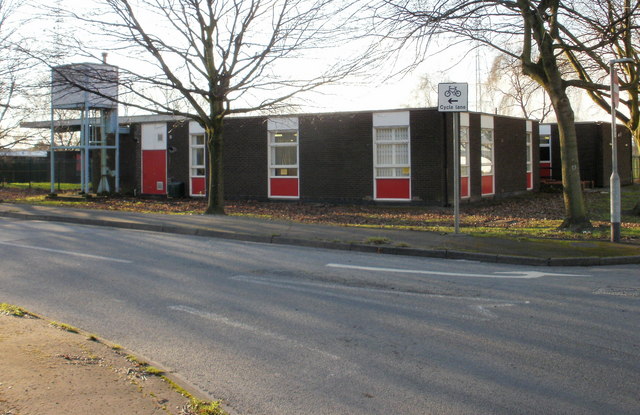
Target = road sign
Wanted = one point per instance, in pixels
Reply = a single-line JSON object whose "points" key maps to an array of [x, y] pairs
{"points": [[615, 89], [453, 97]]}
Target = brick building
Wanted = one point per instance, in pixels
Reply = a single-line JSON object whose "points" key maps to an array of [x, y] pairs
{"points": [[594, 153], [402, 156], [399, 156]]}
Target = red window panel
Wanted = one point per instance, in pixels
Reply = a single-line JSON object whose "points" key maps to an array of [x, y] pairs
{"points": [[487, 185], [284, 187], [464, 187], [393, 188], [198, 186], [545, 170], [154, 172], [529, 181]]}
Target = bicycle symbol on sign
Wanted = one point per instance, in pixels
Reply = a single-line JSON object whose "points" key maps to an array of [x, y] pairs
{"points": [[452, 90]]}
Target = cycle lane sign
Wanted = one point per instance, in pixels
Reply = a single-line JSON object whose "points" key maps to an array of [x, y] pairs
{"points": [[453, 97]]}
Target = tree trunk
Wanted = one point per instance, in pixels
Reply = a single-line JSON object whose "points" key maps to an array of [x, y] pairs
{"points": [[636, 137], [576, 217], [215, 176]]}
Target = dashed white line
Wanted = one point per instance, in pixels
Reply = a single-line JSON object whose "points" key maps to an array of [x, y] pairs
{"points": [[71, 253]]}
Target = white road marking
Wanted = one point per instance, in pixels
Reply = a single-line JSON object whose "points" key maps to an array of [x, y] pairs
{"points": [[59, 251], [515, 274], [322, 289], [252, 329]]}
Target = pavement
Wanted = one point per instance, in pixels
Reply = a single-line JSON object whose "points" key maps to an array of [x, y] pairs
{"points": [[525, 251]]}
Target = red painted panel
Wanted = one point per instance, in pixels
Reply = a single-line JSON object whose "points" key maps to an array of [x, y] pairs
{"points": [[464, 187], [545, 170], [529, 180], [154, 172], [284, 187], [487, 185], [393, 188], [198, 186]]}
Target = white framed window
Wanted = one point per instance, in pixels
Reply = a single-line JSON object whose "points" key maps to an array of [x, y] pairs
{"points": [[464, 151], [283, 153], [529, 152], [197, 155], [486, 156], [545, 143], [529, 156], [391, 147]]}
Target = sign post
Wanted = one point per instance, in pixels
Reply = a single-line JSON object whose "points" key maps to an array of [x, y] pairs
{"points": [[454, 97], [614, 180]]}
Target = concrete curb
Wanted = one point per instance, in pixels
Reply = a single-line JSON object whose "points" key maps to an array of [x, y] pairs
{"points": [[356, 247]]}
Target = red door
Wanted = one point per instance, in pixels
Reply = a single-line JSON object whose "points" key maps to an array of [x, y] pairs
{"points": [[154, 172]]}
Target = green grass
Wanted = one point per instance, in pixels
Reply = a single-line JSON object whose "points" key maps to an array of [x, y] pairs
{"points": [[599, 204], [13, 310], [151, 370], [43, 186], [64, 326]]}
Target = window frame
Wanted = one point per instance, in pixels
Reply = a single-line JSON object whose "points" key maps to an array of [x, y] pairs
{"points": [[482, 144], [394, 142], [529, 160], [273, 145], [193, 146], [465, 138]]}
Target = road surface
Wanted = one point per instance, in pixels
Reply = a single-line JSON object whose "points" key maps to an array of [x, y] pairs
{"points": [[288, 330]]}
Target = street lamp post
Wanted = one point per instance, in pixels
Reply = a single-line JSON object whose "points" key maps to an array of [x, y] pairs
{"points": [[614, 182]]}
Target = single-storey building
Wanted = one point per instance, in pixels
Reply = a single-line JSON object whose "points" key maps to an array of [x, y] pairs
{"points": [[594, 153], [402, 156]]}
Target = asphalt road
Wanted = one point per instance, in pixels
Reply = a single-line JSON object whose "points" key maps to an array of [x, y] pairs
{"points": [[287, 330]]}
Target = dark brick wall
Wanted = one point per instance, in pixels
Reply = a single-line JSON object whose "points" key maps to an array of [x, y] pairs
{"points": [[475, 163], [428, 160], [625, 154], [130, 160], [336, 157], [594, 153], [178, 153], [535, 142], [510, 156], [246, 158]]}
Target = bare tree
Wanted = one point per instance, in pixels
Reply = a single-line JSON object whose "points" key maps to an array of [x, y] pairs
{"points": [[526, 30], [12, 64], [518, 93], [603, 31], [206, 60]]}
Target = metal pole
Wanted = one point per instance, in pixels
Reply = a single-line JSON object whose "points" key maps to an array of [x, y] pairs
{"points": [[51, 151], [456, 172], [614, 181], [117, 166], [82, 149], [87, 138]]}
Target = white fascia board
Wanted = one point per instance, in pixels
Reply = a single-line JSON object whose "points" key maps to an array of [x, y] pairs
{"points": [[486, 121], [464, 119], [391, 119], [545, 129], [282, 124]]}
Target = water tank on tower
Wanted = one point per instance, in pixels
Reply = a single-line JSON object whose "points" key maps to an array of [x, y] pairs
{"points": [[84, 85]]}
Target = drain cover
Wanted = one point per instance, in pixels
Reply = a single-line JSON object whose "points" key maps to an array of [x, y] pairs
{"points": [[624, 292]]}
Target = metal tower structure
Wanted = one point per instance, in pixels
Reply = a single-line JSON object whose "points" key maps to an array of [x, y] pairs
{"points": [[92, 91]]}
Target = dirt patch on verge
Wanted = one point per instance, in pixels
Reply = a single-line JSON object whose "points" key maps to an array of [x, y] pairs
{"points": [[47, 370]]}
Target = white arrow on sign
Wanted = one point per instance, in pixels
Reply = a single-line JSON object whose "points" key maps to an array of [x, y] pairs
{"points": [[503, 274], [453, 97]]}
